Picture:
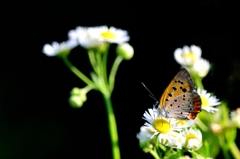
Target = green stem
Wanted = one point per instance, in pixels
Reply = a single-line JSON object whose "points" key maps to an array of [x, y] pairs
{"points": [[202, 125], [155, 154], [224, 148], [112, 127], [101, 69], [113, 72], [197, 155], [105, 56], [93, 61], [78, 73], [87, 88], [234, 150], [198, 82]]}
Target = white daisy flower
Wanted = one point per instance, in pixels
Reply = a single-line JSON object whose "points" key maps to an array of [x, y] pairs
{"points": [[168, 134], [184, 123], [85, 38], [59, 48], [145, 137], [173, 139], [112, 34], [90, 37], [192, 139], [235, 117], [201, 67], [187, 56], [144, 134], [208, 101]]}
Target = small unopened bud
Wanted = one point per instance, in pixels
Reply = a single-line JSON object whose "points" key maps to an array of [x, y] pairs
{"points": [[78, 97], [125, 50], [216, 128]]}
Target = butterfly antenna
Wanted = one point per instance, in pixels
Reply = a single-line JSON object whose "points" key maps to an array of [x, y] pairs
{"points": [[150, 93]]}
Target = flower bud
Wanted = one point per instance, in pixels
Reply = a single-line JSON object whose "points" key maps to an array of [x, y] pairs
{"points": [[125, 50], [192, 139], [77, 98], [201, 67]]}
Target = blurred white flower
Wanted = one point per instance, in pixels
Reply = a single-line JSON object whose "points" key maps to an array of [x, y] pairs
{"points": [[208, 101], [85, 38], [187, 56], [59, 48], [90, 37], [201, 67], [112, 34], [144, 134], [168, 134], [192, 139], [145, 137]]}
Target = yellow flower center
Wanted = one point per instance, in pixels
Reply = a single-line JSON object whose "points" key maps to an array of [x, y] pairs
{"points": [[205, 102], [108, 35], [161, 125], [189, 55], [189, 137], [181, 122]]}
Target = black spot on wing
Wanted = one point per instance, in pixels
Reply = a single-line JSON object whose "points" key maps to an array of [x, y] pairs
{"points": [[184, 90]]}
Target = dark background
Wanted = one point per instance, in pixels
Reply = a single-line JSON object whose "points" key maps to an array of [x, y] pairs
{"points": [[36, 120]]}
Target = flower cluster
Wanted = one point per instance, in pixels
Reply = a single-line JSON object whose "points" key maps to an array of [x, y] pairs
{"points": [[96, 41], [214, 132], [190, 58], [169, 132], [91, 37], [88, 38]]}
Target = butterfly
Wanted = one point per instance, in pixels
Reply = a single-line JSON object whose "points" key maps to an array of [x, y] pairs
{"points": [[180, 99]]}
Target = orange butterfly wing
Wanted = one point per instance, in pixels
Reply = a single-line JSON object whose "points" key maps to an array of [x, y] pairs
{"points": [[181, 83]]}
